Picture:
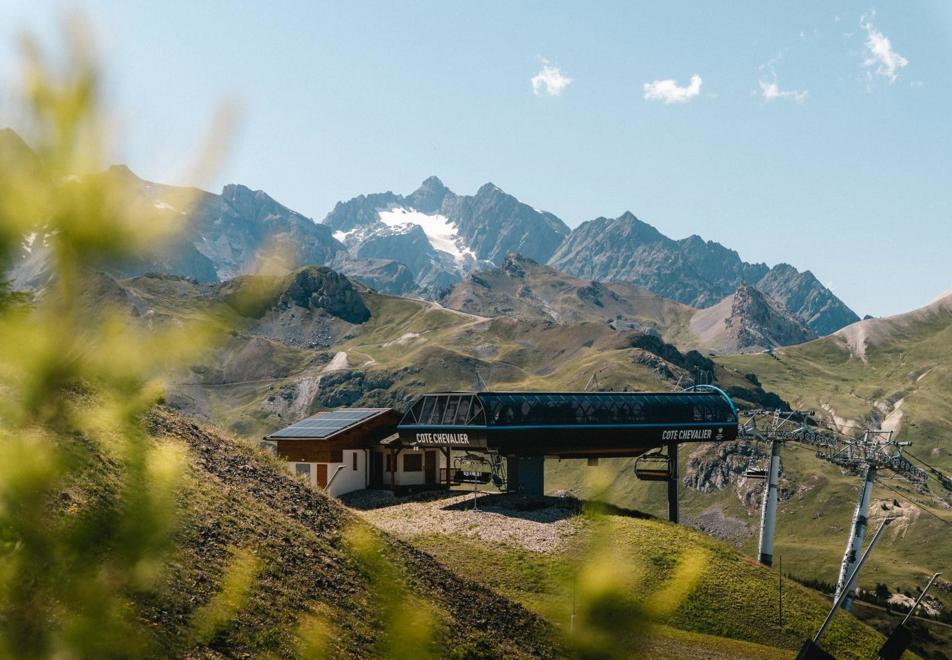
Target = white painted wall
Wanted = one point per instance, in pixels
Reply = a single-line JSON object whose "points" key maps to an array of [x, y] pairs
{"points": [[292, 468], [348, 479]]}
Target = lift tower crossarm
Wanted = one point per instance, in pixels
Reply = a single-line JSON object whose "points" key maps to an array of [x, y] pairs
{"points": [[876, 449], [775, 427]]}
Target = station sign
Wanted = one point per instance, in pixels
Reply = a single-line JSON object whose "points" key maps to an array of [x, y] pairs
{"points": [[701, 434], [451, 439]]}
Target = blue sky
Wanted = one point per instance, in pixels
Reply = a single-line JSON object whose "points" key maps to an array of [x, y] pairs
{"points": [[803, 132]]}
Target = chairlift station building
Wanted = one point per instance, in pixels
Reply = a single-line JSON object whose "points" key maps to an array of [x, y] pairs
{"points": [[355, 448]]}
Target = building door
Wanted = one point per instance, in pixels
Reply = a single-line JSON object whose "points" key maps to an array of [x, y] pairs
{"points": [[376, 469], [429, 468], [322, 475]]}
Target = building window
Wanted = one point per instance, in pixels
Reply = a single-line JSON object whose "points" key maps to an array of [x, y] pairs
{"points": [[303, 470], [355, 461], [413, 463]]}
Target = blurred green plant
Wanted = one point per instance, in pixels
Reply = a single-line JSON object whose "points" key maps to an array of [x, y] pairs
{"points": [[76, 378], [236, 585], [407, 622], [613, 605]]}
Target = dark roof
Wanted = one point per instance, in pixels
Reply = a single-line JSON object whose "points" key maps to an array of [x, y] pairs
{"points": [[327, 424], [527, 410]]}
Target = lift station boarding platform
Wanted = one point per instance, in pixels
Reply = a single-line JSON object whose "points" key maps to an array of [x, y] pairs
{"points": [[526, 427]]}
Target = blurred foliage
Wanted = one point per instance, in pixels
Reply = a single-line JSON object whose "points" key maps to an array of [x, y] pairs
{"points": [[407, 622], [236, 585], [76, 378], [613, 604]]}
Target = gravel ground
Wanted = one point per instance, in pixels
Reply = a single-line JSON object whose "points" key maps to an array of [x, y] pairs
{"points": [[537, 524]]}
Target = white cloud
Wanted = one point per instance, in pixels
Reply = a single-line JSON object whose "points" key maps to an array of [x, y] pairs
{"points": [[770, 91], [550, 81], [668, 91], [881, 59]]}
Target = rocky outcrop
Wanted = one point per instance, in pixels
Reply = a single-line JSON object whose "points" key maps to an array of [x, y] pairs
{"points": [[748, 321], [321, 288], [715, 466], [315, 288]]}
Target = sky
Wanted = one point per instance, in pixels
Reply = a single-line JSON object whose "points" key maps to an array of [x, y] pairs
{"points": [[813, 133]]}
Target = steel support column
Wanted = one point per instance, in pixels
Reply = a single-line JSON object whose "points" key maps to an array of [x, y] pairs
{"points": [[768, 512], [847, 579], [673, 482]]}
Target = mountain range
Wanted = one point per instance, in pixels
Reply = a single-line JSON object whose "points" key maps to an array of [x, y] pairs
{"points": [[746, 321], [424, 243], [692, 271], [440, 235]]}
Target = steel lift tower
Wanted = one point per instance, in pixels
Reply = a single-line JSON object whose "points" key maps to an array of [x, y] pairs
{"points": [[774, 427], [875, 450]]}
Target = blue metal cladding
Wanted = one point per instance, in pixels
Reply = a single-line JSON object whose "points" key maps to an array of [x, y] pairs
{"points": [[568, 424], [540, 410]]}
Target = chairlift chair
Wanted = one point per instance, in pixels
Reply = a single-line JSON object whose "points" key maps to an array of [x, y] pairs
{"points": [[754, 472], [652, 467]]}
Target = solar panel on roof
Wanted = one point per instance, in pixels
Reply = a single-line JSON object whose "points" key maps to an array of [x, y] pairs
{"points": [[325, 424]]}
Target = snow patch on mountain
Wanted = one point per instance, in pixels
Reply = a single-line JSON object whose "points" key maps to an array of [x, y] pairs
{"points": [[440, 231], [342, 236]]}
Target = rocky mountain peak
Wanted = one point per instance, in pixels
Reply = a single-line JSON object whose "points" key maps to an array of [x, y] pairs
{"points": [[429, 196], [237, 194], [515, 264], [489, 188], [432, 184], [748, 321]]}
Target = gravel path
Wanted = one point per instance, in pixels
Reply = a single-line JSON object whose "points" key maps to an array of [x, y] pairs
{"points": [[538, 524]]}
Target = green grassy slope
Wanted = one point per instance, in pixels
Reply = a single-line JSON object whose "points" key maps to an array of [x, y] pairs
{"points": [[732, 598], [303, 571]]}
